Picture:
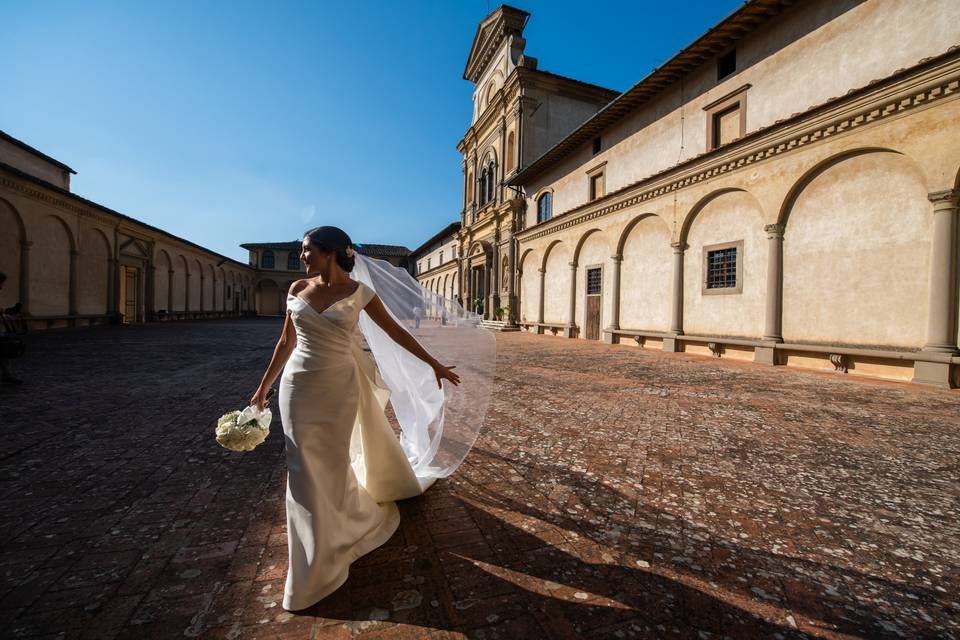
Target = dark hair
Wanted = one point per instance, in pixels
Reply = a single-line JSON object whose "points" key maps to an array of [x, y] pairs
{"points": [[332, 239]]}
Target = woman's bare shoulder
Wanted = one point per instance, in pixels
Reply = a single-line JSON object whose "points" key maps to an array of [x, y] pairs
{"points": [[298, 285]]}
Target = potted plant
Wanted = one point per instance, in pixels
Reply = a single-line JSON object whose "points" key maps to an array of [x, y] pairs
{"points": [[500, 312], [478, 305]]}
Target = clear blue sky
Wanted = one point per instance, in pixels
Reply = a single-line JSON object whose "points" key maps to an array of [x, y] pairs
{"points": [[231, 122]]}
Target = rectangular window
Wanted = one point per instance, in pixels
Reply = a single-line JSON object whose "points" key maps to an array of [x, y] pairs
{"points": [[428, 264], [726, 126], [596, 186], [441, 256], [727, 118], [723, 268], [726, 64], [596, 145], [593, 281]]}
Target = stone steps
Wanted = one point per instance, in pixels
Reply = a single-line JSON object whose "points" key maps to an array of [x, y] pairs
{"points": [[499, 325]]}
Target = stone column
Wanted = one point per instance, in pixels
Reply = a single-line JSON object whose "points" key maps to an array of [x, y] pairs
{"points": [[570, 331], [543, 273], [512, 280], [169, 292], [610, 337], [151, 294], [111, 292], [202, 282], [74, 254], [186, 293], [487, 290], [676, 318], [942, 306], [25, 276], [494, 285], [773, 325]]}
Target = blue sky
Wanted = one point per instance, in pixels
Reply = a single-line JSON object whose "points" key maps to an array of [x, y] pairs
{"points": [[231, 122]]}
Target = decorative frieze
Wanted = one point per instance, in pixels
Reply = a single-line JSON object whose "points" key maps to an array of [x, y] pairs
{"points": [[757, 150]]}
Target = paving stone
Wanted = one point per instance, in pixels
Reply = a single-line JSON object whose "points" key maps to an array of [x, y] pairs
{"points": [[612, 493]]}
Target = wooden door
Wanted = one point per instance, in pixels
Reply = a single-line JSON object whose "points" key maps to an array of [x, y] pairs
{"points": [[594, 296], [131, 286]]}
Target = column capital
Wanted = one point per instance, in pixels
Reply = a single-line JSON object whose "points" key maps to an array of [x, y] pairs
{"points": [[541, 270], [617, 257], [948, 198], [26, 244], [679, 247], [774, 230], [573, 264]]}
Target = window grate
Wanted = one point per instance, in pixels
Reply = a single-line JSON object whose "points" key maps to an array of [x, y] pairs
{"points": [[722, 268], [593, 281]]}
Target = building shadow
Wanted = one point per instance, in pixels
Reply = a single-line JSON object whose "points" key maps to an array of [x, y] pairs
{"points": [[537, 569]]}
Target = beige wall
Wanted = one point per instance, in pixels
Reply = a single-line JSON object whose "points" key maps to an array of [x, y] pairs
{"points": [[529, 286], [729, 217], [75, 253], [808, 55], [646, 276], [856, 247], [34, 165], [557, 285]]}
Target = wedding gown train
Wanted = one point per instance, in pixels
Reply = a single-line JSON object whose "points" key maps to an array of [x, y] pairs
{"points": [[345, 464]]}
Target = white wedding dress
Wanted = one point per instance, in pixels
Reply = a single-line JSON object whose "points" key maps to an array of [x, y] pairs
{"points": [[345, 464]]}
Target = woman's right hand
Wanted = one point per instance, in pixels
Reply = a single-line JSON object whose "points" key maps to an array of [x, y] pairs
{"points": [[259, 399]]}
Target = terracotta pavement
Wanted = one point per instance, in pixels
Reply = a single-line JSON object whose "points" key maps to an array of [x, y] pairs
{"points": [[613, 493]]}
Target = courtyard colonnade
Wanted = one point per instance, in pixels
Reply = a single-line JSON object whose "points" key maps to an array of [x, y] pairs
{"points": [[846, 230]]}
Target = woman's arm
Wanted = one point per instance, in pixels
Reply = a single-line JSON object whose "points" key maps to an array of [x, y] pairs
{"points": [[281, 353], [398, 334]]}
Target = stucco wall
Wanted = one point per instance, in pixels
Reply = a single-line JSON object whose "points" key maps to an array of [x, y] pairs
{"points": [[730, 217], [530, 287], [29, 163], [856, 254], [557, 286], [811, 53], [646, 276], [595, 252]]}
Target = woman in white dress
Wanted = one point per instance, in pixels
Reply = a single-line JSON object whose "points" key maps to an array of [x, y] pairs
{"points": [[333, 419]]}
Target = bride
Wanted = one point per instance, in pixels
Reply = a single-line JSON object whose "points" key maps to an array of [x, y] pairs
{"points": [[345, 464]]}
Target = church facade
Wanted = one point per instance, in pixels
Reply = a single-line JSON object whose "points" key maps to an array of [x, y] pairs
{"points": [[783, 190]]}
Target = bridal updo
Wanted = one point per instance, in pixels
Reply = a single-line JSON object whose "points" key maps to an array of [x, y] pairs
{"points": [[336, 240]]}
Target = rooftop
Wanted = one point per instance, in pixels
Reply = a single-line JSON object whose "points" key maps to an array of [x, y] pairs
{"points": [[368, 249], [23, 145]]}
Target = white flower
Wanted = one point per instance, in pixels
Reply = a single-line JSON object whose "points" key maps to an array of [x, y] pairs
{"points": [[243, 430]]}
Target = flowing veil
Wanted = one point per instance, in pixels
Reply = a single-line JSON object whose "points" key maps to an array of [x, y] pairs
{"points": [[438, 427]]}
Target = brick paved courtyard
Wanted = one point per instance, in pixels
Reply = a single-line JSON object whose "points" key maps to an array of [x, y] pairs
{"points": [[612, 494]]}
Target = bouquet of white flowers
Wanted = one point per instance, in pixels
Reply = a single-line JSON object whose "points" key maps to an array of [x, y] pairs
{"points": [[243, 430]]}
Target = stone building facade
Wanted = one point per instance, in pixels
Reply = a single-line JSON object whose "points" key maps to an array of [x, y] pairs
{"points": [[73, 262], [435, 262], [783, 190], [277, 265]]}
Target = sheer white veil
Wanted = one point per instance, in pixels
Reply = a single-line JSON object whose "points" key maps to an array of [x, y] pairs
{"points": [[438, 427]]}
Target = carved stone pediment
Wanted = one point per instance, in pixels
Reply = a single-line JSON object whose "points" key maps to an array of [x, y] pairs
{"points": [[500, 24], [134, 247]]}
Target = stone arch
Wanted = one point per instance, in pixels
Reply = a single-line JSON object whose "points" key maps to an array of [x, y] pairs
{"points": [[50, 268], [267, 298], [11, 247], [161, 281], [209, 286], [219, 290], [528, 286], [699, 206], [727, 219], [196, 285], [818, 169], [181, 272], [556, 291], [856, 251], [592, 250], [94, 272], [646, 273]]}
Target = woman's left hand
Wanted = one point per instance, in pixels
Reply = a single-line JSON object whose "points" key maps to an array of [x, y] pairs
{"points": [[445, 373]]}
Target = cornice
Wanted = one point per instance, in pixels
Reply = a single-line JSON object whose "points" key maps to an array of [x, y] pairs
{"points": [[449, 265], [827, 121], [93, 211]]}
